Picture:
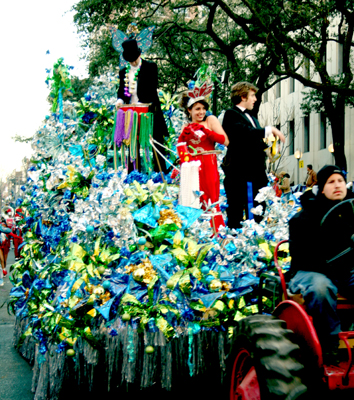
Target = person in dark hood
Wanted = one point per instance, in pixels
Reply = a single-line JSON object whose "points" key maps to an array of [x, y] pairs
{"points": [[313, 246]]}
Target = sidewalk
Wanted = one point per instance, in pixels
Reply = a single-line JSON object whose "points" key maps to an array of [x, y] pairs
{"points": [[15, 372]]}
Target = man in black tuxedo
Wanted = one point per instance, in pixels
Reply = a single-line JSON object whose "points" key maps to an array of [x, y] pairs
{"points": [[141, 83], [245, 161]]}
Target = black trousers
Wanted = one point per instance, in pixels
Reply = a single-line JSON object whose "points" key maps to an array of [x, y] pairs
{"points": [[237, 199]]}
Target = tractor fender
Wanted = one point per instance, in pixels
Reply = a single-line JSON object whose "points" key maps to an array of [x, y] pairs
{"points": [[301, 324]]}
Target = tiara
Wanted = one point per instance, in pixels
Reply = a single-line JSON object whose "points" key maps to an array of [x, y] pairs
{"points": [[198, 93]]}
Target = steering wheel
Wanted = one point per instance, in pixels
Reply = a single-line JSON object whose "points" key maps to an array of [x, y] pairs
{"points": [[337, 228]]}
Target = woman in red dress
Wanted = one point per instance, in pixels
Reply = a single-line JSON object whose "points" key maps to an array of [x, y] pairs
{"points": [[200, 136], [4, 248]]}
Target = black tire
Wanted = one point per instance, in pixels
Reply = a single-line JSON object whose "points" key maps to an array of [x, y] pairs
{"points": [[263, 342]]}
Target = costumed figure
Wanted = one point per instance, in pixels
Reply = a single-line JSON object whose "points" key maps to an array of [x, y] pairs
{"points": [[138, 82], [4, 249], [12, 230], [17, 231], [196, 148], [278, 191], [9, 216]]}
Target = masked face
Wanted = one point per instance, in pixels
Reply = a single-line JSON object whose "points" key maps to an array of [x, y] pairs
{"points": [[335, 188], [135, 63]]}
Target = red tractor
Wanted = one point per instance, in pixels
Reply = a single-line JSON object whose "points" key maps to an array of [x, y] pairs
{"points": [[277, 356]]}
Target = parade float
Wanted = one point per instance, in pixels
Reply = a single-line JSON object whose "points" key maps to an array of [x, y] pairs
{"points": [[118, 284]]}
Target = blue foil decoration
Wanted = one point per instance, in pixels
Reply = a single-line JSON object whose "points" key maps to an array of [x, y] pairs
{"points": [[188, 215], [106, 308], [145, 215], [193, 329]]}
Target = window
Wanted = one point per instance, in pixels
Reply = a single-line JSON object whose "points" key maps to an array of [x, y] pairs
{"points": [[278, 90], [324, 58], [306, 133], [323, 131], [306, 67], [265, 97], [291, 137], [292, 80], [340, 58]]}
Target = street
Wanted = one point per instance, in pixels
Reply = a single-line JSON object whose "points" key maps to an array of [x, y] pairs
{"points": [[15, 372]]}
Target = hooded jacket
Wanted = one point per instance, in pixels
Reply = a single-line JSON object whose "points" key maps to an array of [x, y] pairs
{"points": [[313, 245]]}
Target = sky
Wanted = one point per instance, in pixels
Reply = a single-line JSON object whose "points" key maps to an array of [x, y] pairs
{"points": [[28, 30]]}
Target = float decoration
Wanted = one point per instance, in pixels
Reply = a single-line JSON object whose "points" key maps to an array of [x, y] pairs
{"points": [[112, 265]]}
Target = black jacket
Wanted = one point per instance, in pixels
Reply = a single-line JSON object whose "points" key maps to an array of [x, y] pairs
{"points": [[311, 246], [146, 85], [245, 153], [147, 93]]}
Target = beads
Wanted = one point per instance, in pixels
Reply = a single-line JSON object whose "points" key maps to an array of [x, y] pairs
{"points": [[129, 88]]}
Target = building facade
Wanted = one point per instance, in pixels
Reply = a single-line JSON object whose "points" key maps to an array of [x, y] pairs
{"points": [[309, 137]]}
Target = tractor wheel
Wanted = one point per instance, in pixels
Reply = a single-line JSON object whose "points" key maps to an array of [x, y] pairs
{"points": [[264, 361]]}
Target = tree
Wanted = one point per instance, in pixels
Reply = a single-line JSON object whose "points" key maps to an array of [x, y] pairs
{"points": [[80, 87], [187, 35], [262, 42], [301, 31]]}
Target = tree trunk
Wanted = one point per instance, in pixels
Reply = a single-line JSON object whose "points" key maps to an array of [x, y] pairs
{"points": [[336, 116], [338, 135]]}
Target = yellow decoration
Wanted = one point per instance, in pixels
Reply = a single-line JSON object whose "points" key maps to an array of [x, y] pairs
{"points": [[192, 248], [66, 335], [164, 326], [215, 285], [284, 247], [172, 282], [195, 271], [105, 297], [265, 248], [185, 282], [77, 285], [274, 146], [239, 316], [92, 312], [129, 298], [210, 314], [98, 290], [77, 251], [241, 303], [254, 308], [181, 255], [219, 305], [169, 217], [73, 301], [177, 239], [97, 247], [226, 286], [77, 266], [143, 272]]}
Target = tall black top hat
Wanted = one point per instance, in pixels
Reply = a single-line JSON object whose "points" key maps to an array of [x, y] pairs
{"points": [[131, 50]]}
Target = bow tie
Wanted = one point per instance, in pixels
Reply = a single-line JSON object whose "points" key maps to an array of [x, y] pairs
{"points": [[246, 111]]}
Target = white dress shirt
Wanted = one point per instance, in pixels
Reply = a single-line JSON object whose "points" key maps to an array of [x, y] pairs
{"points": [[268, 129], [134, 98]]}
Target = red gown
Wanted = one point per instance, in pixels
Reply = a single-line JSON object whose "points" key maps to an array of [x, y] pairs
{"points": [[203, 139]]}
